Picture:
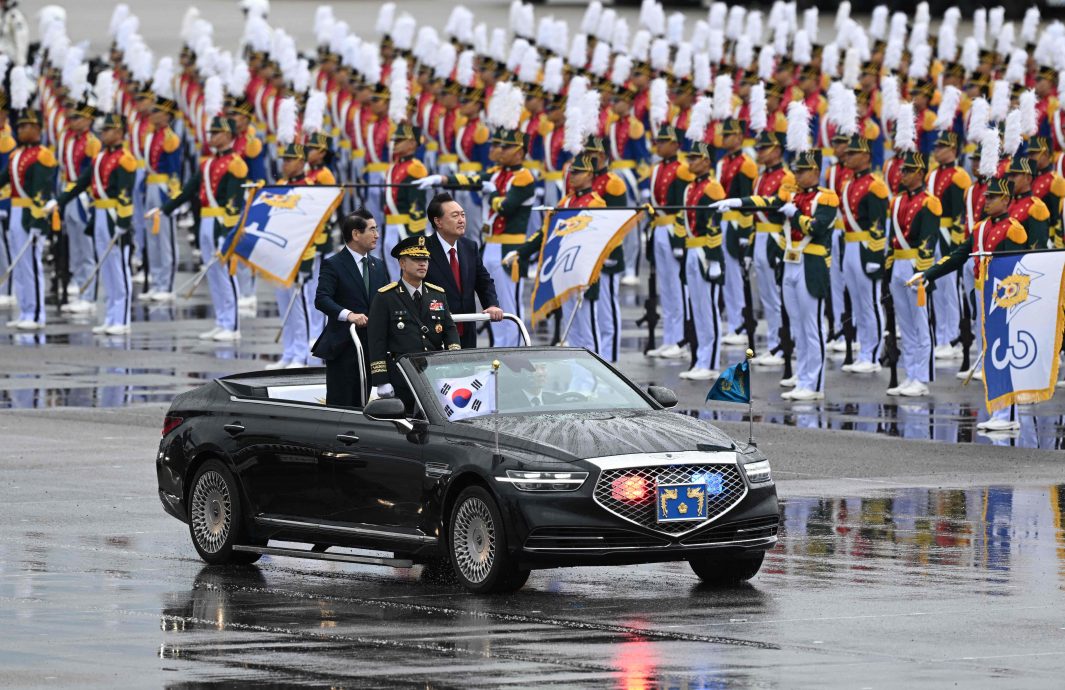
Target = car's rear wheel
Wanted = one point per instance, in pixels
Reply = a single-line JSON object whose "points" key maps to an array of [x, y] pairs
{"points": [[215, 517], [724, 572], [478, 545]]}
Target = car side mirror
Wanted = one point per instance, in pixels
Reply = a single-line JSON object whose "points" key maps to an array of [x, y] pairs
{"points": [[385, 410], [663, 396]]}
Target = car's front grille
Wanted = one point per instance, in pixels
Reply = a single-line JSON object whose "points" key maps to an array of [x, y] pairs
{"points": [[643, 511], [755, 528], [585, 538]]}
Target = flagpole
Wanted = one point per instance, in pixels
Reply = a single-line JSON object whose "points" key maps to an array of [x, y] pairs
{"points": [[572, 316], [495, 403], [750, 400]]}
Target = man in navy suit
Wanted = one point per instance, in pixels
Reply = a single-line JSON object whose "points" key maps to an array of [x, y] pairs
{"points": [[455, 265], [348, 282]]}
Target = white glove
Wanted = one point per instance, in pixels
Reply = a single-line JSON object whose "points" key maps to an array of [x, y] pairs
{"points": [[744, 241], [747, 261], [510, 258], [872, 268], [714, 270], [645, 194], [678, 253], [916, 280], [488, 187], [386, 391], [789, 209], [725, 205], [151, 213], [430, 181], [50, 206]]}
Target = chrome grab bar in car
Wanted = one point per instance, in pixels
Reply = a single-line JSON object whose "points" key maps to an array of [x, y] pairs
{"points": [[477, 318]]}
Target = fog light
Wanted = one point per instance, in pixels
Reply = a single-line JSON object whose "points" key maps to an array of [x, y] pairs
{"points": [[758, 472], [630, 488]]}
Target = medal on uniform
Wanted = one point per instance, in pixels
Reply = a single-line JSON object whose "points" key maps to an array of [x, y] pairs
{"points": [[400, 325], [439, 328]]}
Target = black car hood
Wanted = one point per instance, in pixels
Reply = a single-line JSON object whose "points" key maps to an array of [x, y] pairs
{"points": [[600, 433]]}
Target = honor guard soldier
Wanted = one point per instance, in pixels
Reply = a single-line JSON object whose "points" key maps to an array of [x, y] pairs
{"points": [[626, 145], [704, 256], [998, 231], [77, 146], [472, 146], [1048, 186], [736, 172], [407, 316], [31, 172], [110, 180], [915, 232], [768, 226], [668, 247], [1026, 208], [510, 191], [404, 205], [948, 182], [610, 187], [864, 208], [7, 145], [163, 164], [218, 184], [836, 176]]}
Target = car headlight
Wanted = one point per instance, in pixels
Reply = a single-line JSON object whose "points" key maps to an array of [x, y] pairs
{"points": [[524, 480], [757, 471]]}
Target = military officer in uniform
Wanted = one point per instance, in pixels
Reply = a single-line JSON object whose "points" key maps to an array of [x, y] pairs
{"points": [[407, 316]]}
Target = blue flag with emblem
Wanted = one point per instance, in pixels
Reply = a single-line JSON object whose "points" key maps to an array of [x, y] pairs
{"points": [[1022, 301], [278, 228], [734, 384], [577, 242]]}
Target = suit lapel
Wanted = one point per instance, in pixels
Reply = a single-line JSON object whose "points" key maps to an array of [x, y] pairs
{"points": [[436, 253], [353, 268]]}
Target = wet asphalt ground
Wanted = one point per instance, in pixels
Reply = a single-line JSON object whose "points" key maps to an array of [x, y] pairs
{"points": [[913, 551]]}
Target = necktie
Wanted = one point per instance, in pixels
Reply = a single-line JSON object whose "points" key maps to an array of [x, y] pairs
{"points": [[455, 269], [418, 297], [366, 274]]}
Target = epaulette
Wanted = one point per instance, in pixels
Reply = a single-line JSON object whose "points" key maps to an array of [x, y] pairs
{"points": [[171, 141], [127, 161], [1038, 209], [961, 178], [614, 186], [480, 135], [827, 197], [254, 146], [416, 169], [684, 173], [387, 287], [933, 204], [636, 128], [522, 178], [325, 177], [878, 187], [432, 287], [788, 179], [46, 157], [93, 145], [1017, 233], [1057, 186], [7, 143], [237, 167], [545, 126], [749, 168], [714, 191], [929, 120]]}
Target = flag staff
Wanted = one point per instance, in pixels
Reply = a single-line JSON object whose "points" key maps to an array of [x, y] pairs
{"points": [[750, 402]]}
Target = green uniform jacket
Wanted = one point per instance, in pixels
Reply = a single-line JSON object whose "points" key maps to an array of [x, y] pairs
{"points": [[229, 195], [119, 187], [960, 254], [819, 228], [398, 327], [39, 184], [513, 206], [870, 217]]}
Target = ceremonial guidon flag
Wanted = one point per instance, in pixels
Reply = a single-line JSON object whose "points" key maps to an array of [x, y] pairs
{"points": [[1022, 303], [734, 384], [576, 244], [278, 226], [470, 396]]}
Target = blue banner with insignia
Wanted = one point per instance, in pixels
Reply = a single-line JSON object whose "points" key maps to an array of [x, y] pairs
{"points": [[734, 384], [1022, 302]]}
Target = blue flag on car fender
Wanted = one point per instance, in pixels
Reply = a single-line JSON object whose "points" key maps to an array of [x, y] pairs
{"points": [[1022, 301], [734, 385]]}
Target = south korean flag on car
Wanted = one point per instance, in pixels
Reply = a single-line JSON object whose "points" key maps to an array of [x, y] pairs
{"points": [[464, 398]]}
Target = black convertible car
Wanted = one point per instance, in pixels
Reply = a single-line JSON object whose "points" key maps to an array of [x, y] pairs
{"points": [[521, 458]]}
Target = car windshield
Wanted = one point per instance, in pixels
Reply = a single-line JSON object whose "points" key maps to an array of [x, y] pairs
{"points": [[530, 382]]}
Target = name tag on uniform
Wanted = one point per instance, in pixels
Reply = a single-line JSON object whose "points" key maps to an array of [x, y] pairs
{"points": [[792, 256], [436, 305]]}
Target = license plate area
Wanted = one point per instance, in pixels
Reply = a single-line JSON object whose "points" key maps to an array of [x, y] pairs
{"points": [[686, 502]]}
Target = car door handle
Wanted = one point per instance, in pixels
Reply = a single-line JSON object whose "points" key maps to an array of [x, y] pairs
{"points": [[347, 439], [234, 428]]}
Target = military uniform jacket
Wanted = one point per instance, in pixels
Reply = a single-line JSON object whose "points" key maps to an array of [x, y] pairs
{"points": [[948, 184], [217, 185], [397, 326], [667, 189], [1003, 233], [915, 228], [31, 172], [510, 204], [771, 183], [612, 190], [1033, 214], [703, 234], [109, 179], [863, 206], [406, 205], [1050, 187], [736, 173]]}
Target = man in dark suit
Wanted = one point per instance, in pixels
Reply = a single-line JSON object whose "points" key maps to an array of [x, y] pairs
{"points": [[348, 282], [455, 265]]}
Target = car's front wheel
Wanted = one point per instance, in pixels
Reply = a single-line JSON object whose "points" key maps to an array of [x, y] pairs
{"points": [[724, 572], [215, 518], [478, 545]]}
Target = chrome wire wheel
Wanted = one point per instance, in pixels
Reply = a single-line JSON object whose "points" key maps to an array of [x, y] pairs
{"points": [[211, 513], [473, 538]]}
